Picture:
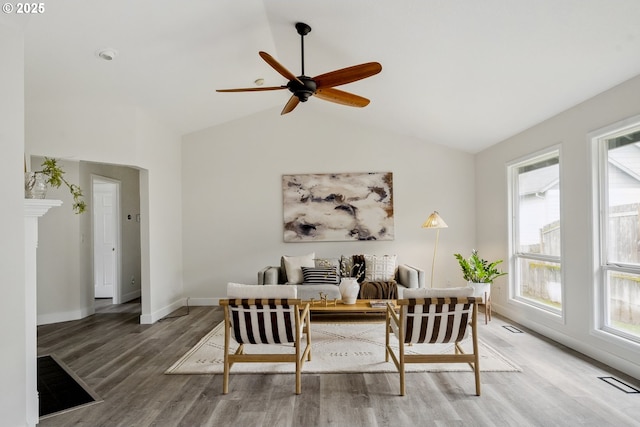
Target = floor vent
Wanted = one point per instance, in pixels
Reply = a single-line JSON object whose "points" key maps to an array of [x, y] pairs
{"points": [[513, 329], [620, 385]]}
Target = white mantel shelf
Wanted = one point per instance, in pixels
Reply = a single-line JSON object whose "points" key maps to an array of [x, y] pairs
{"points": [[33, 209], [39, 207]]}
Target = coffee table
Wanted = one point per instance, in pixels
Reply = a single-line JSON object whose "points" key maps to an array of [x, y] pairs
{"points": [[361, 306]]}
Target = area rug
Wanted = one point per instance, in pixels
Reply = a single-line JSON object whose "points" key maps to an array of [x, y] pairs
{"points": [[335, 348], [59, 389]]}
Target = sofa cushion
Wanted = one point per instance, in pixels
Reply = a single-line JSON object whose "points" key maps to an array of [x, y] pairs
{"points": [[239, 290], [464, 291], [380, 268], [307, 292], [320, 276], [293, 266]]}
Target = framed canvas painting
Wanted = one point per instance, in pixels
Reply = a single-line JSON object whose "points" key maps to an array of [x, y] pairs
{"points": [[338, 207]]}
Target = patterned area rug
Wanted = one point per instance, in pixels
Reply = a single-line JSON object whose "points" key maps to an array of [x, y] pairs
{"points": [[335, 348]]}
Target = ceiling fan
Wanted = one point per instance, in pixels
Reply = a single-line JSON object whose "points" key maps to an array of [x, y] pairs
{"points": [[303, 87]]}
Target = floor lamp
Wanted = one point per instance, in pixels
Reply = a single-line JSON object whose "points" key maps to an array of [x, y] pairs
{"points": [[434, 221]]}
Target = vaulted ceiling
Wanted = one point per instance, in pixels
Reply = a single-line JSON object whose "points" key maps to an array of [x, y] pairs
{"points": [[463, 73]]}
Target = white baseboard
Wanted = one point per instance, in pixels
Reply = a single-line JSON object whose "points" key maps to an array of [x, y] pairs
{"points": [[47, 319], [148, 319], [145, 319], [130, 296], [204, 301]]}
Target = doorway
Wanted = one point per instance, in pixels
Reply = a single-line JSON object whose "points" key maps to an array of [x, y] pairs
{"points": [[106, 237]]}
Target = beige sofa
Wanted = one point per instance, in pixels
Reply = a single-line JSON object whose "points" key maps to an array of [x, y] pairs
{"points": [[406, 276]]}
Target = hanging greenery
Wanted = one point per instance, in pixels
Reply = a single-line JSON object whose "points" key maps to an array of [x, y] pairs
{"points": [[55, 178]]}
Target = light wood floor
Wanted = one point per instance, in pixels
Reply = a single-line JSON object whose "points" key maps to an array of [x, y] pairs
{"points": [[124, 363]]}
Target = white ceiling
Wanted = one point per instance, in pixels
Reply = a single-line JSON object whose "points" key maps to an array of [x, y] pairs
{"points": [[463, 73]]}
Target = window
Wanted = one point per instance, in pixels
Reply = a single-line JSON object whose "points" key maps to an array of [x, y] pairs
{"points": [[619, 225], [535, 231]]}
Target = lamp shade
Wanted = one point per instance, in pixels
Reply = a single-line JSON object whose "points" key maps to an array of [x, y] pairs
{"points": [[434, 221]]}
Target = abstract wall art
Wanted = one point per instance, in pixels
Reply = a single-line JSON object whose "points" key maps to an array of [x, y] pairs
{"points": [[338, 207]]}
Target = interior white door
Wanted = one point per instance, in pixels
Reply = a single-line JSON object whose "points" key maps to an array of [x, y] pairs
{"points": [[105, 243]]}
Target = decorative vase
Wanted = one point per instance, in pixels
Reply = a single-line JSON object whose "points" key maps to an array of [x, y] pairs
{"points": [[35, 185], [349, 289], [481, 290]]}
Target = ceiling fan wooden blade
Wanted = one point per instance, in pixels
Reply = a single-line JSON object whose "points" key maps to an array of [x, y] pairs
{"points": [[342, 97], [252, 89], [291, 104], [278, 67], [347, 75]]}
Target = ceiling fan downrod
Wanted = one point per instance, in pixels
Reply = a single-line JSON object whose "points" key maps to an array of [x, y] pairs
{"points": [[303, 29]]}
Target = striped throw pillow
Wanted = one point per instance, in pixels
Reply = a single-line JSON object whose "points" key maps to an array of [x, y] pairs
{"points": [[320, 275]]}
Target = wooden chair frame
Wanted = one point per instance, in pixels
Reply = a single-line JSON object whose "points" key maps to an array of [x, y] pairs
{"points": [[302, 325], [400, 321]]}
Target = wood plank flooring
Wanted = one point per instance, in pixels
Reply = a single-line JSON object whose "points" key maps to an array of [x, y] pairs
{"points": [[124, 362]]}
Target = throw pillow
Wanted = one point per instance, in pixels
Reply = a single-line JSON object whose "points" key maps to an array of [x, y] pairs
{"points": [[352, 266], [379, 268], [327, 262], [320, 275], [293, 267], [464, 291], [239, 290]]}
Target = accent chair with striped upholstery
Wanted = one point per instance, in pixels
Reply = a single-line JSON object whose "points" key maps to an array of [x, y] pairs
{"points": [[433, 320], [266, 321]]}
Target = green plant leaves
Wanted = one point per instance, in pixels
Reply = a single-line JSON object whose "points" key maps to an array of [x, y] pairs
{"points": [[478, 270], [55, 178]]}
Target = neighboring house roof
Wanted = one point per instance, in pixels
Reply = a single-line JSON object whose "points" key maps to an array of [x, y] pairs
{"points": [[627, 159], [539, 180]]}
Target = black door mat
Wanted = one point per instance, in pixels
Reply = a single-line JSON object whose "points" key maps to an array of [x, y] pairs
{"points": [[59, 389]]}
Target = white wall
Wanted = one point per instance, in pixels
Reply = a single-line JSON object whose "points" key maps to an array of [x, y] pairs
{"points": [[568, 129], [232, 197], [62, 293], [13, 322], [122, 135], [161, 212]]}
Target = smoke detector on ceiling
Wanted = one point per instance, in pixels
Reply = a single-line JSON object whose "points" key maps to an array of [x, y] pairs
{"points": [[107, 54]]}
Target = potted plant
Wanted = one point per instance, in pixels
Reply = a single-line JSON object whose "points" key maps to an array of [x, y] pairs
{"points": [[350, 272], [35, 183], [479, 273]]}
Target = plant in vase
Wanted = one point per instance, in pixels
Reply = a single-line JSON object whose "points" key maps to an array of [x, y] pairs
{"points": [[35, 183], [479, 273], [350, 272]]}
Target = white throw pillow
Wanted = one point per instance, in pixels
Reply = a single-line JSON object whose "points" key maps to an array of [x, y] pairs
{"points": [[293, 266], [464, 291], [379, 268], [239, 290]]}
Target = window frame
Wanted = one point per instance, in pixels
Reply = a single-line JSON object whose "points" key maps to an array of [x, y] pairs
{"points": [[599, 221], [515, 255]]}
